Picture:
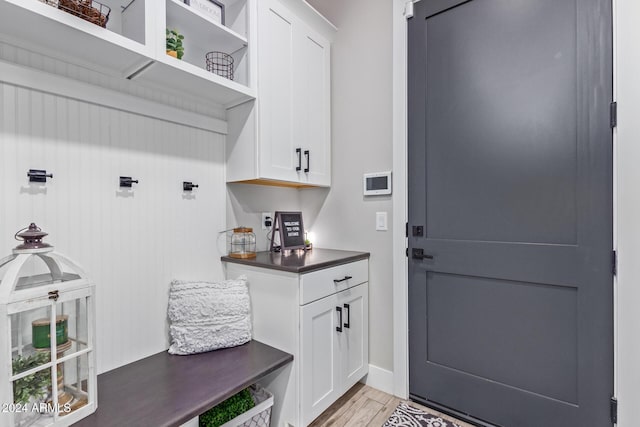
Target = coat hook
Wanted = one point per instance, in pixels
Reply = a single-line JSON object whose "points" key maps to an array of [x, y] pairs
{"points": [[38, 175], [189, 186], [126, 181]]}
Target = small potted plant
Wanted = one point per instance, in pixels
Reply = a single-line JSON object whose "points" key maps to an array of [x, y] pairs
{"points": [[174, 44]]}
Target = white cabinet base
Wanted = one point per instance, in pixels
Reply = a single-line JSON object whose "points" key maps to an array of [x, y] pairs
{"points": [[330, 346]]}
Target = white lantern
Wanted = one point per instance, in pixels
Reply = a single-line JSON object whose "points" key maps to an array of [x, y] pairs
{"points": [[47, 343]]}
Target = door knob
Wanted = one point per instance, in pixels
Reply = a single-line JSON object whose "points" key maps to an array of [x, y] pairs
{"points": [[418, 253]]}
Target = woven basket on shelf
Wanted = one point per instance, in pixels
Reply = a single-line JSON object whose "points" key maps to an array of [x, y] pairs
{"points": [[89, 10]]}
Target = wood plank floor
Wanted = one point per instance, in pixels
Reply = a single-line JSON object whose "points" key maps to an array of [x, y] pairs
{"points": [[365, 406]]}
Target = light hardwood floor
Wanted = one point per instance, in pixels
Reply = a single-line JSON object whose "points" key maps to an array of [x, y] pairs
{"points": [[365, 406]]}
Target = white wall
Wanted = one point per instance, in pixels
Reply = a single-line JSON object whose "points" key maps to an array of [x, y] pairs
{"points": [[246, 202], [131, 244], [362, 142], [627, 145]]}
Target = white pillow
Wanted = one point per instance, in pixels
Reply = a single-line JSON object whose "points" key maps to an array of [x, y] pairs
{"points": [[206, 316]]}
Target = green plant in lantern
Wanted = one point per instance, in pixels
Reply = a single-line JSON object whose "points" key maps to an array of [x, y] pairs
{"points": [[34, 385], [174, 44]]}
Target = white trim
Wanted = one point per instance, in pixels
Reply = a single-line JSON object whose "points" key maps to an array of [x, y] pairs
{"points": [[380, 379], [41, 81], [400, 280], [616, 200]]}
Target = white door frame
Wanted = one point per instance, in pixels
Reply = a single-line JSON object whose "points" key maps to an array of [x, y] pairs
{"points": [[400, 279], [400, 218]]}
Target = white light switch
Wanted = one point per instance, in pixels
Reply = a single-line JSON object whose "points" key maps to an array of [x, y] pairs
{"points": [[381, 221]]}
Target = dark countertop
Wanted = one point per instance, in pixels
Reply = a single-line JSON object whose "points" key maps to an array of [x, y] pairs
{"points": [[299, 261], [165, 390]]}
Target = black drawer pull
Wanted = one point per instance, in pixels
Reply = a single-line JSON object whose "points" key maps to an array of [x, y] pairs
{"points": [[308, 155], [339, 327], [299, 153], [348, 310], [336, 281]]}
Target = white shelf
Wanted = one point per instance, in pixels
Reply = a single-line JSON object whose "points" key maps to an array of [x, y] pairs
{"points": [[37, 26], [44, 29], [202, 29], [188, 78]]}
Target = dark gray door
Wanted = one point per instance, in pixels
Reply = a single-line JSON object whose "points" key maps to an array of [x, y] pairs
{"points": [[510, 176]]}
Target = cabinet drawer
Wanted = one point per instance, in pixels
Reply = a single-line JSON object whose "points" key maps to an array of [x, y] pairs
{"points": [[321, 283]]}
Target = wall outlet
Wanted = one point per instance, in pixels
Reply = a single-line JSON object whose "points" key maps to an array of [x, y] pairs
{"points": [[266, 220]]}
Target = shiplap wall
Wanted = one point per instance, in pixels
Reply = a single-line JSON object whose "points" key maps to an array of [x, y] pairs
{"points": [[131, 243]]}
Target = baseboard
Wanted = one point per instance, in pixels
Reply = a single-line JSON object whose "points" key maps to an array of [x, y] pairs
{"points": [[379, 378]]}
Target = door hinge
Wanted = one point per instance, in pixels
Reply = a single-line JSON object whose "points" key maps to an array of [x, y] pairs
{"points": [[614, 410], [614, 262], [407, 252], [613, 114]]}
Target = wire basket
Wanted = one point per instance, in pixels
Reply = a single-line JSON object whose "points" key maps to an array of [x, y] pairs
{"points": [[259, 415], [89, 10], [220, 63]]}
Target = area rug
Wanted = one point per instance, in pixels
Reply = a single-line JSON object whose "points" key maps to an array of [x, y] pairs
{"points": [[408, 416]]}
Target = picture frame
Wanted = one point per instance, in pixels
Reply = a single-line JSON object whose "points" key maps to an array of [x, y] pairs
{"points": [[290, 228], [212, 9]]}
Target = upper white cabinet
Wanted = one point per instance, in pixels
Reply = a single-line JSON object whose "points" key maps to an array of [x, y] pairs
{"points": [[132, 45], [284, 138]]}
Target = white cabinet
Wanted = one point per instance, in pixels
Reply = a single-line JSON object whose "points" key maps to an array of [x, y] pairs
{"points": [[285, 136], [321, 317], [320, 356], [334, 353]]}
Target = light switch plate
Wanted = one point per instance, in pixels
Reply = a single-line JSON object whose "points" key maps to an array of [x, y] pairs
{"points": [[381, 221]]}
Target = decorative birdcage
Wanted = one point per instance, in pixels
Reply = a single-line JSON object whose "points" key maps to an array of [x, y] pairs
{"points": [[47, 328]]}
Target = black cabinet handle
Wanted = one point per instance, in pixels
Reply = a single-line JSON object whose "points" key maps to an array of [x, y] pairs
{"points": [[339, 327], [299, 153], [348, 310], [308, 155], [336, 281]]}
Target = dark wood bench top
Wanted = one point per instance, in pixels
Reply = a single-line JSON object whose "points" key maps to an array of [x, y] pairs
{"points": [[166, 390]]}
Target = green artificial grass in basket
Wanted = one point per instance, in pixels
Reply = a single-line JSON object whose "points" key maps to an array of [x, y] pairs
{"points": [[227, 410]]}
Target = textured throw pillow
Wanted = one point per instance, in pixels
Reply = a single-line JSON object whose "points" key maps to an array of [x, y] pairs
{"points": [[206, 316]]}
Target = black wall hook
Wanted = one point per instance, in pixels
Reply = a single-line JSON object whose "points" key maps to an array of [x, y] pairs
{"points": [[189, 186], [38, 175], [126, 181]]}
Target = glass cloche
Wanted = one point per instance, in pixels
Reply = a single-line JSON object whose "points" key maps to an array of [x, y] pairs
{"points": [[47, 326]]}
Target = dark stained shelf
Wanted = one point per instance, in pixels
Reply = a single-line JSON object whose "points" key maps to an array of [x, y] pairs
{"points": [[166, 390], [300, 261]]}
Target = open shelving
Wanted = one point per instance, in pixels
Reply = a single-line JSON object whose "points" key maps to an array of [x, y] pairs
{"points": [[45, 29], [132, 45]]}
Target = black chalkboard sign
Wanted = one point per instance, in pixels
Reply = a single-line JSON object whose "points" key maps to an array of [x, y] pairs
{"points": [[290, 229]]}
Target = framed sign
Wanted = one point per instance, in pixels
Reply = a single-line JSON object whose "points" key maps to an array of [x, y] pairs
{"points": [[210, 8], [290, 230]]}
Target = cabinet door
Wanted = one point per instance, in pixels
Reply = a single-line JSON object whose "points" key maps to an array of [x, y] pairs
{"points": [[320, 382], [313, 99], [277, 147], [355, 345]]}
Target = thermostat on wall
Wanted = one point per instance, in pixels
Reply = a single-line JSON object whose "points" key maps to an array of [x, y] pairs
{"points": [[377, 183]]}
